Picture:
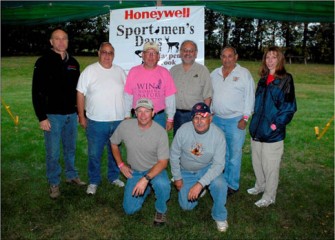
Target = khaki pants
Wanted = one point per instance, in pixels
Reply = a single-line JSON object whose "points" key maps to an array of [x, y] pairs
{"points": [[266, 158]]}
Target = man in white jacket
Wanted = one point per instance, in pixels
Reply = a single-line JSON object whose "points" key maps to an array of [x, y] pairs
{"points": [[232, 104]]}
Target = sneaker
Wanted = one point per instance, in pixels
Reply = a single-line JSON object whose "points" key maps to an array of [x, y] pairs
{"points": [[160, 219], [75, 181], [203, 193], [222, 225], [264, 203], [118, 183], [91, 189], [54, 191], [254, 191]]}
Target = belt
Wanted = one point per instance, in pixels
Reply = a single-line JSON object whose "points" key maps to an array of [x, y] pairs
{"points": [[183, 111], [161, 111]]}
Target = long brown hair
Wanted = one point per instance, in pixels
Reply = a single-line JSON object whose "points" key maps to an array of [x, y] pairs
{"points": [[280, 68]]}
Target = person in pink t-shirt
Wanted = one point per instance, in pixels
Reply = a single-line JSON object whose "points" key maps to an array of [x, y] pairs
{"points": [[149, 80]]}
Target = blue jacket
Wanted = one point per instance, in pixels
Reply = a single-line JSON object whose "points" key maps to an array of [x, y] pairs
{"points": [[274, 104]]}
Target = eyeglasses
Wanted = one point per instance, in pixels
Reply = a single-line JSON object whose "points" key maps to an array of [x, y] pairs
{"points": [[151, 53], [106, 53], [199, 117], [188, 50]]}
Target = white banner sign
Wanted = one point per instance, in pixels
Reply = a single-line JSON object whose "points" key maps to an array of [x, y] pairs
{"points": [[130, 29]]}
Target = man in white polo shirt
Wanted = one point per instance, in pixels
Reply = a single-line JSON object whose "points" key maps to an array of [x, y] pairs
{"points": [[232, 104]]}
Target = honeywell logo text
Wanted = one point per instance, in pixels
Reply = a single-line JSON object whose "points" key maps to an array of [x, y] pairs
{"points": [[131, 14]]}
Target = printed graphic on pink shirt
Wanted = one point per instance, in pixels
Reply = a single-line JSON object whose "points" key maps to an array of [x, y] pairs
{"points": [[155, 84], [151, 90]]}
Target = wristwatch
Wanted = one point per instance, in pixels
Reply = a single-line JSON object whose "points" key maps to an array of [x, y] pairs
{"points": [[147, 177]]}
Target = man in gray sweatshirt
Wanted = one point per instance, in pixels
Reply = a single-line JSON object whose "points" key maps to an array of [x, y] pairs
{"points": [[197, 160]]}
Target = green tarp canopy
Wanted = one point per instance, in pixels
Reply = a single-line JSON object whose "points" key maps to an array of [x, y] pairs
{"points": [[43, 12]]}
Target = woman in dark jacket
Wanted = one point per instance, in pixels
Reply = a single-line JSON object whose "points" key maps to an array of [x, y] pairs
{"points": [[275, 106]]}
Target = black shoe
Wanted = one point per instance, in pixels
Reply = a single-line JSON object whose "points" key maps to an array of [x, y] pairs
{"points": [[231, 191]]}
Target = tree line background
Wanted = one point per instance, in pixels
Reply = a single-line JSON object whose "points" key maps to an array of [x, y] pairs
{"points": [[301, 42]]}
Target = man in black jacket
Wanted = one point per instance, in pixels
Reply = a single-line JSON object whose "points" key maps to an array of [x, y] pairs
{"points": [[54, 98]]}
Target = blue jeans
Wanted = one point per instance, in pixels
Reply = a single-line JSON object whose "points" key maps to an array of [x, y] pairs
{"points": [[98, 135], [180, 118], [161, 186], [63, 129], [160, 118], [235, 138], [217, 188]]}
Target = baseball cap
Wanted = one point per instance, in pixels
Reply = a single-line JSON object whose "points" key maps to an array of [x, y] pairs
{"points": [[144, 102], [150, 45], [200, 108]]}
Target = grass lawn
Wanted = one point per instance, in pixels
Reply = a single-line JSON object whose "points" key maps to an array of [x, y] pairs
{"points": [[304, 207]]}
